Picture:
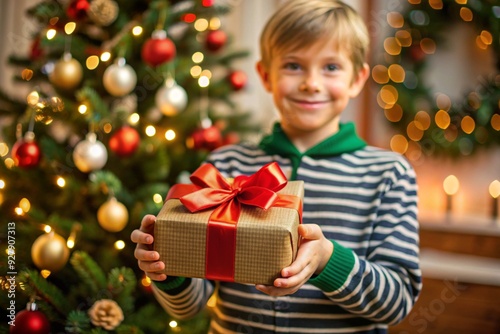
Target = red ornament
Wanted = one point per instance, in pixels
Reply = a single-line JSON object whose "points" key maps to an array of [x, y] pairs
{"points": [[158, 49], [36, 50], [231, 138], [33, 322], [125, 141], [26, 153], [77, 9], [207, 3], [237, 79], [208, 138], [216, 39], [416, 53]]}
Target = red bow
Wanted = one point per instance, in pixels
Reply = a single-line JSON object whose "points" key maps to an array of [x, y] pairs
{"points": [[256, 190]]}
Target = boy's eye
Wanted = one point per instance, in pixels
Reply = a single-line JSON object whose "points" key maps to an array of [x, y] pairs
{"points": [[331, 67], [292, 66]]}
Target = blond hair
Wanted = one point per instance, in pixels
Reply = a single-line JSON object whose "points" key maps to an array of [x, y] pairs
{"points": [[301, 23]]}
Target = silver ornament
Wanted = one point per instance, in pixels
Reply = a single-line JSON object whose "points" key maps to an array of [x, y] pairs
{"points": [[171, 98], [119, 79], [90, 154]]}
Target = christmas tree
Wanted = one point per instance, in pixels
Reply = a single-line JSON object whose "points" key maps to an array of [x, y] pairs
{"points": [[127, 98]]}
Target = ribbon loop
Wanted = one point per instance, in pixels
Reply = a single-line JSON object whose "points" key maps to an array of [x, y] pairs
{"points": [[257, 190]]}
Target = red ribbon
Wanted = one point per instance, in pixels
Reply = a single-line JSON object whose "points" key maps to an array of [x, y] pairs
{"points": [[211, 190]]}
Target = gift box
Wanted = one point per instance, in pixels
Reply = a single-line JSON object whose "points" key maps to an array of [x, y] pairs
{"points": [[238, 230]]}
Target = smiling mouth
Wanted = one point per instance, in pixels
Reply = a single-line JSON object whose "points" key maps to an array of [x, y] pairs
{"points": [[309, 104]]}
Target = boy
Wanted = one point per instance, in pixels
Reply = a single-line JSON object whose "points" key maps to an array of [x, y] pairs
{"points": [[357, 268]]}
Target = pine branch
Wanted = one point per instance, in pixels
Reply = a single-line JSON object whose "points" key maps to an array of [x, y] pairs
{"points": [[128, 329], [36, 285], [98, 107], [88, 270], [105, 180], [77, 322], [121, 283]]}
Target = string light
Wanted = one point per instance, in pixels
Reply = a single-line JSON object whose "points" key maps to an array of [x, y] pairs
{"points": [[75, 229], [197, 57], [170, 135], [201, 25], [442, 119], [69, 28], [119, 244], [203, 81], [51, 33], [9, 163], [25, 205], [61, 182], [451, 185], [195, 71], [47, 228], [82, 109], [4, 149], [107, 128], [105, 56], [134, 118], [157, 198], [2, 184], [92, 62], [146, 281], [27, 74], [150, 131], [494, 189], [399, 144], [137, 31]]}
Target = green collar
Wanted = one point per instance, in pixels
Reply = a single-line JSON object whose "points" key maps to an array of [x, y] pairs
{"points": [[344, 141]]}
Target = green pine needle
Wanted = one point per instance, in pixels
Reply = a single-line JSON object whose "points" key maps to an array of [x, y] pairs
{"points": [[51, 297], [88, 270], [77, 322]]}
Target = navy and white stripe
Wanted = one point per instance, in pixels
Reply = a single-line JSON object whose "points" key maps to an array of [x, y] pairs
{"points": [[365, 201]]}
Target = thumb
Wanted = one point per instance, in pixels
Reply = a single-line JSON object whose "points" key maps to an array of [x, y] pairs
{"points": [[310, 231]]}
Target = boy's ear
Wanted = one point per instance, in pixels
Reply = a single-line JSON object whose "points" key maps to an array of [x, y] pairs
{"points": [[359, 81], [264, 75]]}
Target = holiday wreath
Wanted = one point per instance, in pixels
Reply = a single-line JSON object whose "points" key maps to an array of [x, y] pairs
{"points": [[428, 122]]}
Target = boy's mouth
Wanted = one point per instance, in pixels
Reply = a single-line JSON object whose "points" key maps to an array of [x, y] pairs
{"points": [[309, 104]]}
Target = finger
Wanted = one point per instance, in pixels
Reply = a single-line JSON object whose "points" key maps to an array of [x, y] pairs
{"points": [[139, 237], [156, 276], [310, 231], [151, 266], [273, 291], [144, 254], [147, 222]]}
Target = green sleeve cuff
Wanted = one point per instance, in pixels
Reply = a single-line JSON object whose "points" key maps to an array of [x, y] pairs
{"points": [[336, 271], [171, 283]]}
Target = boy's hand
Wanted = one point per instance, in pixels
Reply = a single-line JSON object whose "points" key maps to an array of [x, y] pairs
{"points": [[313, 255], [144, 253]]}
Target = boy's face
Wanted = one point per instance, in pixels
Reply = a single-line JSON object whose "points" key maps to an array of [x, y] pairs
{"points": [[311, 87]]}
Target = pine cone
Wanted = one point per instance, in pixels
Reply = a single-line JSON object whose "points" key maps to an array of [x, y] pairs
{"points": [[106, 313]]}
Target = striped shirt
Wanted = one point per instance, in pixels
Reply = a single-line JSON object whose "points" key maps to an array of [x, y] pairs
{"points": [[365, 202]]}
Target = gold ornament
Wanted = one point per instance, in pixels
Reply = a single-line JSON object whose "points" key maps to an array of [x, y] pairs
{"points": [[106, 313], [67, 73], [103, 12], [112, 215], [49, 252]]}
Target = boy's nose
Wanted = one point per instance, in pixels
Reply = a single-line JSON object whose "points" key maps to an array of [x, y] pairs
{"points": [[310, 84]]}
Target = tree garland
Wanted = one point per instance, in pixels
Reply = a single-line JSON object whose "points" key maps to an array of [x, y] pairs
{"points": [[430, 123]]}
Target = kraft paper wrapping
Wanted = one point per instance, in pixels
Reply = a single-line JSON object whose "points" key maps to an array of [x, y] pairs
{"points": [[266, 240]]}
